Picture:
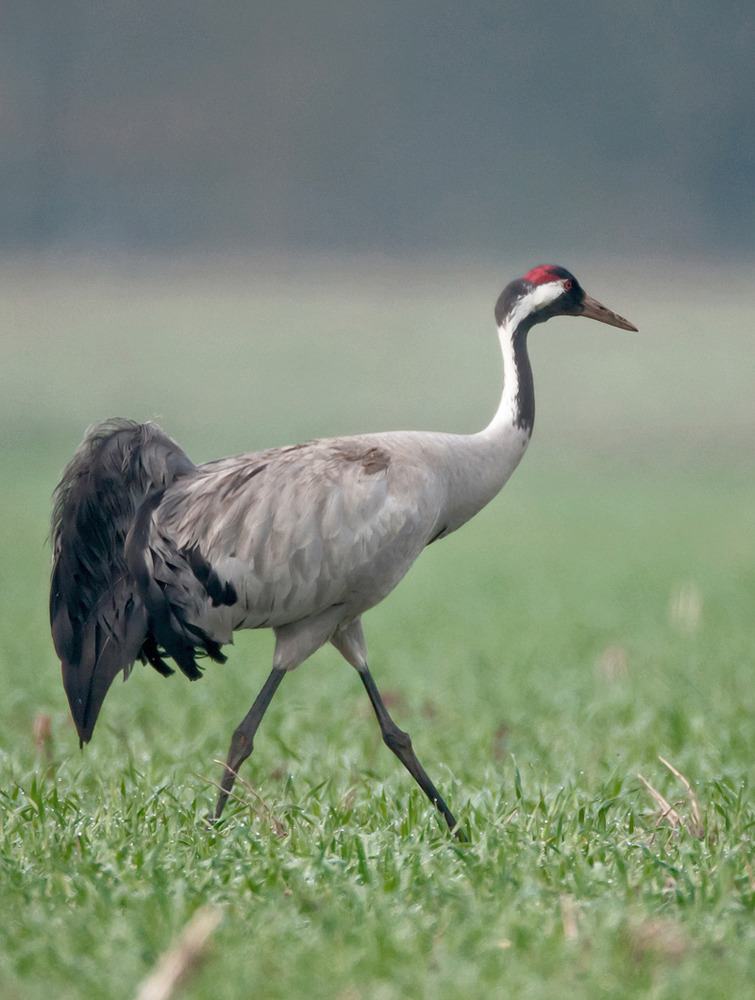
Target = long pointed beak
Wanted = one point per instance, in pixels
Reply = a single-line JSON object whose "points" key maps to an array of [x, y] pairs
{"points": [[592, 309]]}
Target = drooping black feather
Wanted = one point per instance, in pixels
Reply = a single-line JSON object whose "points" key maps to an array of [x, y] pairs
{"points": [[99, 622], [218, 592], [166, 621]]}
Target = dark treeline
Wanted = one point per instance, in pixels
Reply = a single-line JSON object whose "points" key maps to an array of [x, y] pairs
{"points": [[357, 125]]}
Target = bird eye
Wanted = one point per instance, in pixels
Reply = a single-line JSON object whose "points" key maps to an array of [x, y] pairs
{"points": [[567, 284]]}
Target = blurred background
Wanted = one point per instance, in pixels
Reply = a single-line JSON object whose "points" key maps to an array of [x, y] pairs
{"points": [[263, 223], [260, 223], [320, 204], [479, 128]]}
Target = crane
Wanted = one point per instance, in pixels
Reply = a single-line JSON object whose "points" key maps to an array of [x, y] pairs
{"points": [[155, 557]]}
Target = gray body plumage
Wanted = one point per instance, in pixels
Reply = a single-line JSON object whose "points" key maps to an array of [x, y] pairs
{"points": [[155, 557], [311, 536]]}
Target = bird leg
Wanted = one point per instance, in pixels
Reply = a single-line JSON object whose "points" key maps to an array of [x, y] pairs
{"points": [[400, 743], [242, 742]]}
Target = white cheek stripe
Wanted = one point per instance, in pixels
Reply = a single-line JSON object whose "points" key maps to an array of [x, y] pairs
{"points": [[543, 295], [538, 298]]}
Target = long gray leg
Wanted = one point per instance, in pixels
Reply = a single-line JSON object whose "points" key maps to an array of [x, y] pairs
{"points": [[400, 743], [243, 738]]}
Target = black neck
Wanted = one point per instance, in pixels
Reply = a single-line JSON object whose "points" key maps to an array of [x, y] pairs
{"points": [[525, 397]]}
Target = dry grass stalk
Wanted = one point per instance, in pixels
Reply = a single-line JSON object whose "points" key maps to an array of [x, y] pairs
{"points": [[569, 918], [511, 815], [347, 803], [231, 795], [613, 663], [42, 729], [667, 810], [696, 827], [278, 827], [183, 958], [686, 607], [695, 824], [500, 739]]}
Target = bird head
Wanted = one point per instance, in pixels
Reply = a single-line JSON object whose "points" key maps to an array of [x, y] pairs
{"points": [[548, 291]]}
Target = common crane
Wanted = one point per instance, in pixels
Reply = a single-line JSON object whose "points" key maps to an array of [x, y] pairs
{"points": [[155, 557]]}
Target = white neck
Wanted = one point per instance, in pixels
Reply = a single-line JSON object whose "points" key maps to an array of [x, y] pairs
{"points": [[484, 461], [517, 407], [517, 383]]}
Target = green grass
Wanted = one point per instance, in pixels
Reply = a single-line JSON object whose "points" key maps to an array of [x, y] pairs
{"points": [[535, 657]]}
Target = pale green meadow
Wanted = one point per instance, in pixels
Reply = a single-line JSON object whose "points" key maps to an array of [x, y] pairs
{"points": [[598, 615]]}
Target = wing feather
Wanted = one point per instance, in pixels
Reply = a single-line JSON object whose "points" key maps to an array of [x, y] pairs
{"points": [[294, 531]]}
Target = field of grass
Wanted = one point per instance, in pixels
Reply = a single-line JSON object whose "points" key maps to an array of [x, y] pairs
{"points": [[597, 616]]}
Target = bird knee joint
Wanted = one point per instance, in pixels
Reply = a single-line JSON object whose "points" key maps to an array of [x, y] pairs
{"points": [[241, 742], [397, 740]]}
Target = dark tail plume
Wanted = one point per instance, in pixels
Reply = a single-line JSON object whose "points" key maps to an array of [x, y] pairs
{"points": [[99, 623]]}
